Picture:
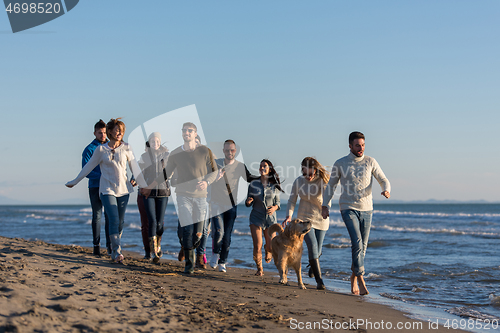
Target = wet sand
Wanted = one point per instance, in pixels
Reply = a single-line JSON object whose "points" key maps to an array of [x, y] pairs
{"points": [[57, 288]]}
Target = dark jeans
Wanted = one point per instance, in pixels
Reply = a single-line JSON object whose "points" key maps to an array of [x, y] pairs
{"points": [[144, 222], [223, 228], [155, 211], [96, 204]]}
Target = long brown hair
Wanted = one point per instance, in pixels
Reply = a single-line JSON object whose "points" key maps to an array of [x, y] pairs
{"points": [[311, 162], [274, 178]]}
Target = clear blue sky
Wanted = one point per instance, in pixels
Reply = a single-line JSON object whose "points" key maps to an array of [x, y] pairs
{"points": [[285, 79]]}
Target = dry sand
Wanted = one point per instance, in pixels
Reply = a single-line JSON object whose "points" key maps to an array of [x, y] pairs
{"points": [[55, 288]]}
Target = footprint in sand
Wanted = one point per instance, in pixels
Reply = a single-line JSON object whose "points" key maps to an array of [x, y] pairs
{"points": [[59, 307], [84, 328], [5, 289], [58, 298]]}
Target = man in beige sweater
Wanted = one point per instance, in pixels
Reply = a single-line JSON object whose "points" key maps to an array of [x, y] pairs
{"points": [[355, 172]]}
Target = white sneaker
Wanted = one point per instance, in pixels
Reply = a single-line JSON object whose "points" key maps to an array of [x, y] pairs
{"points": [[222, 268], [214, 261]]}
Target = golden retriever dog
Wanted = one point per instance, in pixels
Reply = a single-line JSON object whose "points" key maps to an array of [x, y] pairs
{"points": [[287, 248]]}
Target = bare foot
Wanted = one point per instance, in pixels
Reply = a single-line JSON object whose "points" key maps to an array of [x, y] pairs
{"points": [[354, 285], [269, 254], [362, 286], [259, 273]]}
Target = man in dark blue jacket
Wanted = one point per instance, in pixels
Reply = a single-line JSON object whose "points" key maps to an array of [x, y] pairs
{"points": [[94, 178]]}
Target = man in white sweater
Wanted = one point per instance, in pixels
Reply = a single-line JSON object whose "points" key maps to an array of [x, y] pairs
{"points": [[355, 172]]}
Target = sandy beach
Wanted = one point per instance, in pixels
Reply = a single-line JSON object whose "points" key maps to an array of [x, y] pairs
{"points": [[56, 288]]}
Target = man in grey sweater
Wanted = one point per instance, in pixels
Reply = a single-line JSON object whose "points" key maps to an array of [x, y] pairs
{"points": [[355, 172]]}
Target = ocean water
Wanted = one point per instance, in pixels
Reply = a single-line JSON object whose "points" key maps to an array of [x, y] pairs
{"points": [[436, 261]]}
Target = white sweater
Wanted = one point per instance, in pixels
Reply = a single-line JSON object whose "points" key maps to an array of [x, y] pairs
{"points": [[113, 170], [311, 197], [355, 176]]}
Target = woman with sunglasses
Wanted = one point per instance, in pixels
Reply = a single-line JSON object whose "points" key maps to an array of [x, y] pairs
{"points": [[264, 196], [310, 187], [114, 188]]}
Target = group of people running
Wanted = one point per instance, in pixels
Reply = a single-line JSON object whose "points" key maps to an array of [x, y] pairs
{"points": [[196, 175]]}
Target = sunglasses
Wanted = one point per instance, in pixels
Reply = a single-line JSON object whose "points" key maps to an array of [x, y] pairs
{"points": [[189, 130], [112, 154]]}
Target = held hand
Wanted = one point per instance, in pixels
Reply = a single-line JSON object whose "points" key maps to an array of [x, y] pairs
{"points": [[287, 220], [249, 201], [271, 209], [145, 192], [202, 185], [386, 194], [325, 212]]}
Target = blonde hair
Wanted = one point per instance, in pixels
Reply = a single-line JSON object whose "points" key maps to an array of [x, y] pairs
{"points": [[311, 162]]}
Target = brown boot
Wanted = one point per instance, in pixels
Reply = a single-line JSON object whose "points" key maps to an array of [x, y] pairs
{"points": [[158, 246], [317, 274], [152, 246], [200, 263]]}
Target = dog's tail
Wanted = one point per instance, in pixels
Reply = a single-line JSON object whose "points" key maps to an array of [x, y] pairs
{"points": [[275, 228]]}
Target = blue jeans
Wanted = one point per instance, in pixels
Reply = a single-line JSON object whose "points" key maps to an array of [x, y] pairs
{"points": [[115, 206], [191, 212], [223, 228], [358, 225], [96, 204], [155, 210], [314, 242]]}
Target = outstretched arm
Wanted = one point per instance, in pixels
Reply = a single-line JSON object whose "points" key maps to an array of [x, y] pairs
{"points": [[91, 164], [248, 176]]}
